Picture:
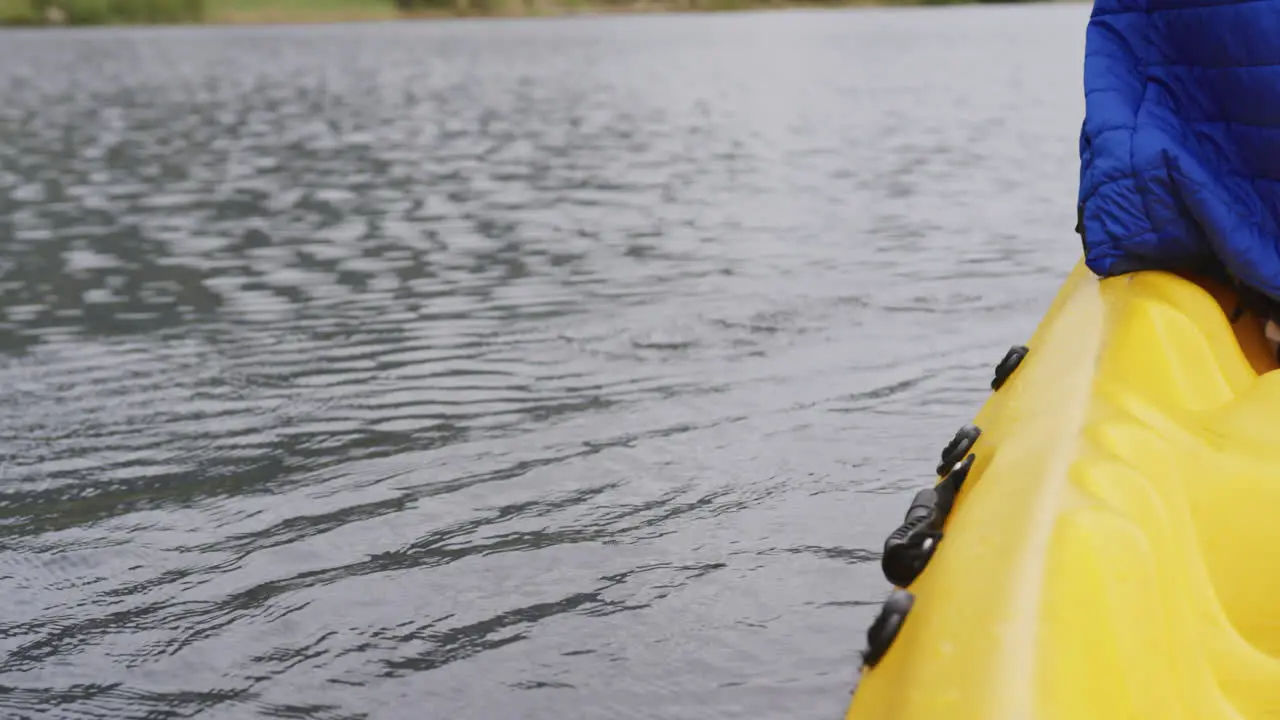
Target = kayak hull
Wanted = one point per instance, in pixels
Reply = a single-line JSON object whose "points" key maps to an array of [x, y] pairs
{"points": [[1112, 551]]}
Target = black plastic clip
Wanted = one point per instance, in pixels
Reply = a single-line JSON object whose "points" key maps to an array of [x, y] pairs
{"points": [[908, 549], [959, 446], [1005, 368], [955, 479], [884, 629]]}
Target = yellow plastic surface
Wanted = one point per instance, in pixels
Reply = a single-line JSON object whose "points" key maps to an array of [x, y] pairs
{"points": [[1115, 550]]}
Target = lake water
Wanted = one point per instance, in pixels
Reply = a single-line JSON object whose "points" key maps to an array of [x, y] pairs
{"points": [[500, 369]]}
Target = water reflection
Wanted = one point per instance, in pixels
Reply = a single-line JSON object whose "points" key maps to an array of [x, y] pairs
{"points": [[481, 369]]}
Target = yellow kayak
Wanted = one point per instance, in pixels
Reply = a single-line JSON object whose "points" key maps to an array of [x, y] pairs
{"points": [[1104, 540]]}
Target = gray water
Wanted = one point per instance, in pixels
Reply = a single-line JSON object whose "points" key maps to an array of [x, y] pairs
{"points": [[500, 369]]}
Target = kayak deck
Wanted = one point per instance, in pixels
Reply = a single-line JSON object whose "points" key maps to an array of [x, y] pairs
{"points": [[1113, 550]]}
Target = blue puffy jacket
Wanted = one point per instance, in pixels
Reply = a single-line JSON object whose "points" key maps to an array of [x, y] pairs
{"points": [[1180, 148]]}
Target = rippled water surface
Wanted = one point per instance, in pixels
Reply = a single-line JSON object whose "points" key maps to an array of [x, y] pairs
{"points": [[511, 369]]}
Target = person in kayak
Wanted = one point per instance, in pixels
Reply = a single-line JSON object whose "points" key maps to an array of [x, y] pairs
{"points": [[1180, 144]]}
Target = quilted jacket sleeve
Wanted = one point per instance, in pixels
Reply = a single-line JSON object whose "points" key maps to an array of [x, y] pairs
{"points": [[1180, 146]]}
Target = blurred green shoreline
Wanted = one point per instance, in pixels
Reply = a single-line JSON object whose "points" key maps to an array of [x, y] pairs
{"points": [[248, 12]]}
